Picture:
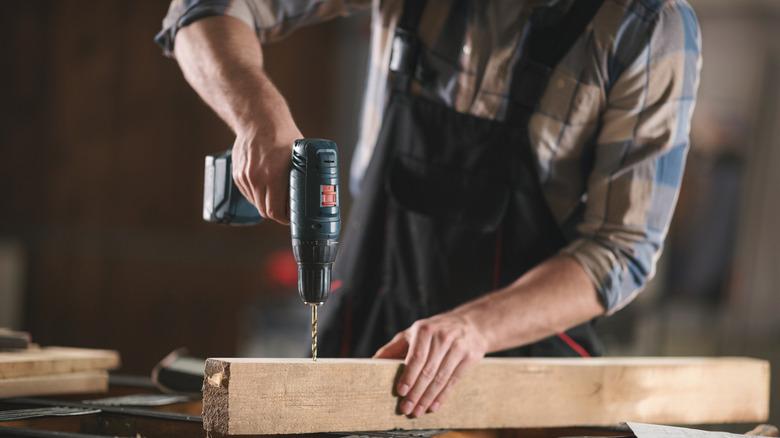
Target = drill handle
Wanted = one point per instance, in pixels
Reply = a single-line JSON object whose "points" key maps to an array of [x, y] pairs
{"points": [[315, 210]]}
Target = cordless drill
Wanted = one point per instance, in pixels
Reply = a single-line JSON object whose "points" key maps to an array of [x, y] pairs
{"points": [[315, 219]]}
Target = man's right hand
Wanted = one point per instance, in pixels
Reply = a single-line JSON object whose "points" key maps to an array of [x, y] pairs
{"points": [[261, 171]]}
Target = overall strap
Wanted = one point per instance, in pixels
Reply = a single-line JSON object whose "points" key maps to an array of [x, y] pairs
{"points": [[406, 45], [546, 45]]}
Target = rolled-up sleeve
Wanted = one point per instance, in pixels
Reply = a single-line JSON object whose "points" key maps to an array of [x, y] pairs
{"points": [[640, 152], [271, 19]]}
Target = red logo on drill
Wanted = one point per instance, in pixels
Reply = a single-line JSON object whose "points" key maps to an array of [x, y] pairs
{"points": [[328, 196]]}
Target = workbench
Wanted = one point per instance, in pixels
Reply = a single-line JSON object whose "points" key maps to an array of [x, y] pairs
{"points": [[85, 416], [66, 392], [118, 414]]}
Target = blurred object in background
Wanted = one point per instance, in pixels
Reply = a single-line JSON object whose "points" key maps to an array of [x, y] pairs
{"points": [[12, 273], [701, 242], [280, 272], [276, 324]]}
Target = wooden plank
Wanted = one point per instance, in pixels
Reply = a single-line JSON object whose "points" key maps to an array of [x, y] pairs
{"points": [[54, 384], [280, 396], [55, 360]]}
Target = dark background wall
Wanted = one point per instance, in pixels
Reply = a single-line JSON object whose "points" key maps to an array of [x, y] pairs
{"points": [[101, 173]]}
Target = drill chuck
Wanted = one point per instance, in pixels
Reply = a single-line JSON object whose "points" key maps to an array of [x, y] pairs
{"points": [[315, 259]]}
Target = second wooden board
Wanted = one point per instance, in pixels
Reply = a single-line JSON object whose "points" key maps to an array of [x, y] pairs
{"points": [[55, 360], [54, 384]]}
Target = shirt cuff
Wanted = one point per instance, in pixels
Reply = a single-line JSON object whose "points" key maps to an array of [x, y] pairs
{"points": [[183, 13], [618, 275]]}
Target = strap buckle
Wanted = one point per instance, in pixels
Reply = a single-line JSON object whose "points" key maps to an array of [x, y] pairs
{"points": [[403, 57]]}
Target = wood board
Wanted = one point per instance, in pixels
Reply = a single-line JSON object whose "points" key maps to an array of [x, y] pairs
{"points": [[82, 382], [55, 370], [55, 360], [283, 396]]}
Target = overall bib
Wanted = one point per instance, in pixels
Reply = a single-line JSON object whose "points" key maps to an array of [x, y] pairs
{"points": [[451, 206]]}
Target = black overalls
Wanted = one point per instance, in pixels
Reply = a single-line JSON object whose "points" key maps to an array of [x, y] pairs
{"points": [[451, 205]]}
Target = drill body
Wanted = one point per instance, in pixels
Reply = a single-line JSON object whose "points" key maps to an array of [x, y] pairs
{"points": [[315, 210], [315, 219]]}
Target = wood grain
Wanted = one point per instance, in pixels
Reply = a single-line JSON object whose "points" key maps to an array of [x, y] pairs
{"points": [[54, 384], [280, 396], [55, 360]]}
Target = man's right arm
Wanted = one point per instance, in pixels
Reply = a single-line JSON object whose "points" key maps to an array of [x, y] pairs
{"points": [[222, 60]]}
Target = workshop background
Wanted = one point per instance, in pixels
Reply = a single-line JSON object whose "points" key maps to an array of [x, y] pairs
{"points": [[102, 145]]}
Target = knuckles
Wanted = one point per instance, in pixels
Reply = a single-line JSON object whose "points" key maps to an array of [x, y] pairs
{"points": [[441, 379], [429, 372]]}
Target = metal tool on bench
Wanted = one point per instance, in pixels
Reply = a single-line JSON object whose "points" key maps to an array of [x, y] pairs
{"points": [[315, 213], [13, 340]]}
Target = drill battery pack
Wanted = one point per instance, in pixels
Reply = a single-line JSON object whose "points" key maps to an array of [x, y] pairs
{"points": [[223, 203]]}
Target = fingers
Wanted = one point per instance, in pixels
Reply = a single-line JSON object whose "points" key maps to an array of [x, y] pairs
{"points": [[417, 357], [439, 395], [397, 347], [277, 193], [262, 175], [439, 351], [426, 372]]}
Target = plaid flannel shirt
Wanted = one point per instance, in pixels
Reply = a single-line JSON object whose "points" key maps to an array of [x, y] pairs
{"points": [[629, 83]]}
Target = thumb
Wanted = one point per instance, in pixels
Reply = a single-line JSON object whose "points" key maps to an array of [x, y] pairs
{"points": [[395, 348]]}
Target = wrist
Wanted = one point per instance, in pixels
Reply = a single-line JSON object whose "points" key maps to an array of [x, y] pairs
{"points": [[474, 326], [267, 130]]}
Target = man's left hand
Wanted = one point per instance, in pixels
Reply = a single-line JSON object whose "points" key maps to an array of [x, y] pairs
{"points": [[438, 352]]}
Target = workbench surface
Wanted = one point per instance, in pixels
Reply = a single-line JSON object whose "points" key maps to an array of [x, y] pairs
{"points": [[82, 416]]}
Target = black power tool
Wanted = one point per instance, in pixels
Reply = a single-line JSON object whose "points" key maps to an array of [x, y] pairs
{"points": [[315, 213]]}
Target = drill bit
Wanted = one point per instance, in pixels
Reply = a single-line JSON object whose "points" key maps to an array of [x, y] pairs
{"points": [[314, 333]]}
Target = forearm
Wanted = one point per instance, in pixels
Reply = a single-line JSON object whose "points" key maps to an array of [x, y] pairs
{"points": [[552, 297], [222, 60]]}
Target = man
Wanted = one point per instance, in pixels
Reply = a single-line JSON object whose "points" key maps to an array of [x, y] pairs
{"points": [[517, 168]]}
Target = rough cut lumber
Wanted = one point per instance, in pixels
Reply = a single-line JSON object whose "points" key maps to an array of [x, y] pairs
{"points": [[281, 396], [55, 360], [83, 382], [55, 370]]}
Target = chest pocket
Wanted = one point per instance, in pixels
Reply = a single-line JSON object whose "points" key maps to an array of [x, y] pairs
{"points": [[459, 175]]}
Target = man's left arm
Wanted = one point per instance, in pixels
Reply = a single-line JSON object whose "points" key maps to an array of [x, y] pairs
{"points": [[550, 298]]}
